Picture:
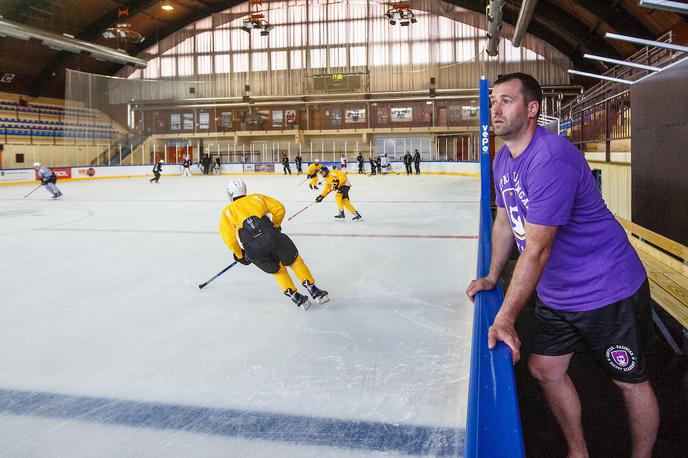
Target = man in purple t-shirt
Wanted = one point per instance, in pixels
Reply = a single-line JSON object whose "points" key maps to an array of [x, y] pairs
{"points": [[591, 286]]}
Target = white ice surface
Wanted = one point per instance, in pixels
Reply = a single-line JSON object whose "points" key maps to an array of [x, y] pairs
{"points": [[94, 304]]}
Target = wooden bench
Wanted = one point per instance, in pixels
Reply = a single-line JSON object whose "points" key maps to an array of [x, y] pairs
{"points": [[666, 262]]}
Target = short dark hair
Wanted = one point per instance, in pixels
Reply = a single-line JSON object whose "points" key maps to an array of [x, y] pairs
{"points": [[531, 88]]}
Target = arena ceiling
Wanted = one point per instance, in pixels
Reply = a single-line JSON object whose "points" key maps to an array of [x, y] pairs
{"points": [[575, 27]]}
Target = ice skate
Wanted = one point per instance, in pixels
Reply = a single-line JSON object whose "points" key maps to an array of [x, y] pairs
{"points": [[316, 293], [357, 217], [340, 215], [299, 299]]}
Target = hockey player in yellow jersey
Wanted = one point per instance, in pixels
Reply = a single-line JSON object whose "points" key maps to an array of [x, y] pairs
{"points": [[338, 181], [255, 238], [312, 173]]}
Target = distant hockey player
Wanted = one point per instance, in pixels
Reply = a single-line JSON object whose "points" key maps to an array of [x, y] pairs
{"points": [[408, 161], [298, 160], [342, 162], [261, 241], [205, 162], [360, 161], [385, 166], [312, 173], [217, 170], [338, 181], [378, 165], [157, 170], [416, 161], [48, 179], [373, 165], [285, 165], [186, 167]]}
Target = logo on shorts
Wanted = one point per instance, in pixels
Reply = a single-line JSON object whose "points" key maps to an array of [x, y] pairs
{"points": [[621, 358]]}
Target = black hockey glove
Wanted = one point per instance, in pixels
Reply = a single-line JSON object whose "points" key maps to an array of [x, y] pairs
{"points": [[243, 260], [319, 198]]}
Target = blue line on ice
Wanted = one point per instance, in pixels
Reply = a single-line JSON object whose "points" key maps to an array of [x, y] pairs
{"points": [[332, 432]]}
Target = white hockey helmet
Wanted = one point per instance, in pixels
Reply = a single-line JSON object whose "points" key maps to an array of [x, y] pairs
{"points": [[236, 188], [162, 161], [316, 161], [36, 165]]}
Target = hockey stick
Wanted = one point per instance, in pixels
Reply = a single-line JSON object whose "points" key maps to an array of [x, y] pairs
{"points": [[203, 285], [304, 180], [33, 190], [301, 211]]}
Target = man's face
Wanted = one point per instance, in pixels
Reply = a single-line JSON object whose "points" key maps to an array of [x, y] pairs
{"points": [[510, 113]]}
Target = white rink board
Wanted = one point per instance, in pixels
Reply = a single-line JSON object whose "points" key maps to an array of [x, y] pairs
{"points": [[108, 352]]}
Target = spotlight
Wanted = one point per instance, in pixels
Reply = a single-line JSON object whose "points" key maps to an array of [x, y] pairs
{"points": [[401, 13], [167, 6]]}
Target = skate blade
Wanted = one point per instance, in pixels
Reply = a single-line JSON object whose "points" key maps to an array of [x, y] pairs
{"points": [[323, 299], [305, 306]]}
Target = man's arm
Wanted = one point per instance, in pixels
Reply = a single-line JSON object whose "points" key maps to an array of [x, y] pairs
{"points": [[502, 244], [528, 269]]}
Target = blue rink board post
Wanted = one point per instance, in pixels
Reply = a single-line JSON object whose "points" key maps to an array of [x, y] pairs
{"points": [[493, 425]]}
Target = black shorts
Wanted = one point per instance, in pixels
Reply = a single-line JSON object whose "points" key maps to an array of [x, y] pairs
{"points": [[618, 334], [270, 249], [344, 191]]}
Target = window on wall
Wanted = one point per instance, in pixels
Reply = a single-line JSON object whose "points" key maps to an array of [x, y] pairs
{"points": [[222, 63], [259, 61], [278, 60], [318, 58], [205, 65], [168, 67], [240, 62], [320, 31]]}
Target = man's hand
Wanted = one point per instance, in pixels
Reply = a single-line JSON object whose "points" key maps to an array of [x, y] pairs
{"points": [[503, 330], [311, 176], [481, 284], [319, 198], [243, 260]]}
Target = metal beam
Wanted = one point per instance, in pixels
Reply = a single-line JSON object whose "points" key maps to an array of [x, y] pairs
{"points": [[622, 62], [601, 77], [676, 7], [524, 17]]}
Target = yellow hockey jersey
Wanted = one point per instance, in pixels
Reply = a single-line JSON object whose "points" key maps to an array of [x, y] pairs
{"points": [[234, 215], [334, 180], [313, 169]]}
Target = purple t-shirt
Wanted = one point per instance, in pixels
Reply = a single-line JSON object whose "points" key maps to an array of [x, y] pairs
{"points": [[592, 263]]}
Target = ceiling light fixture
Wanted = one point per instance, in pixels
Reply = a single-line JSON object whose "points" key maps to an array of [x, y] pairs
{"points": [[167, 6], [401, 13]]}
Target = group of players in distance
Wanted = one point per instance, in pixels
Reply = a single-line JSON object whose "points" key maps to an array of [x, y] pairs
{"points": [[255, 238]]}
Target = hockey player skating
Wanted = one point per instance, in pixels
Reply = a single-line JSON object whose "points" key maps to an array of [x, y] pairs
{"points": [[312, 173], [261, 241], [416, 161], [338, 181], [285, 165], [157, 170], [186, 167], [360, 161], [48, 179], [217, 170], [373, 165], [378, 164], [298, 160], [342, 162]]}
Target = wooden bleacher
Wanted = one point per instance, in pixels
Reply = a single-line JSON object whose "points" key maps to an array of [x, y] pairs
{"points": [[666, 262]]}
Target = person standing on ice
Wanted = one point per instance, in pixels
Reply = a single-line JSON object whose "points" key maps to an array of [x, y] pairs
{"points": [[48, 179], [186, 164], [255, 238], [338, 181]]}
